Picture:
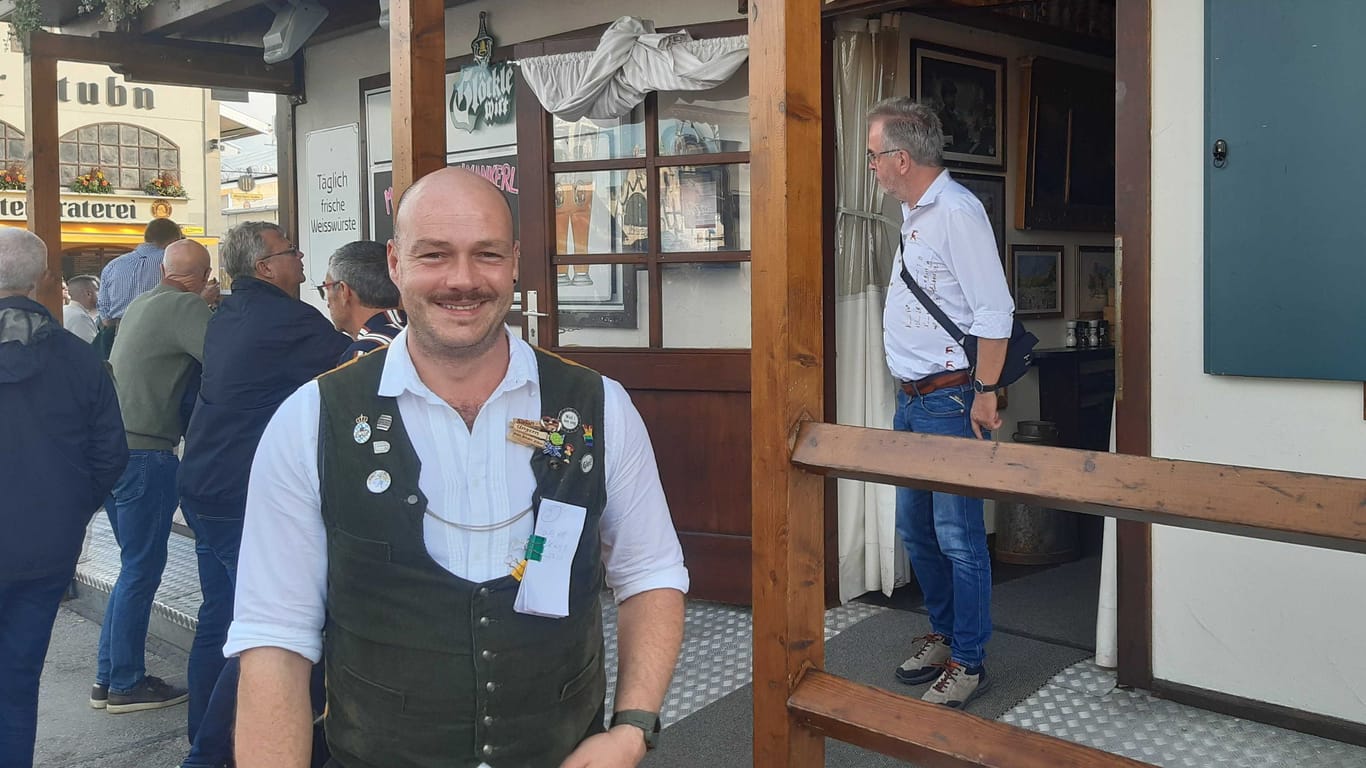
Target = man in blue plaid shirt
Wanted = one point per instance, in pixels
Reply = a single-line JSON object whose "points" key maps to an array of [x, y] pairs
{"points": [[130, 275]]}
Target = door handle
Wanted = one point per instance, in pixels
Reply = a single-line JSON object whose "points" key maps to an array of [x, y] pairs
{"points": [[529, 305], [530, 311]]}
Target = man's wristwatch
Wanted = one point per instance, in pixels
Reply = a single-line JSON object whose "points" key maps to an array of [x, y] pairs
{"points": [[978, 386], [648, 722]]}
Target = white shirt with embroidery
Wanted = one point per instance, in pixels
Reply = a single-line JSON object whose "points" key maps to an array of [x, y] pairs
{"points": [[950, 250]]}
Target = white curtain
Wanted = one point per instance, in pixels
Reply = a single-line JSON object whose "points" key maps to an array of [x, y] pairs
{"points": [[865, 240], [630, 61]]}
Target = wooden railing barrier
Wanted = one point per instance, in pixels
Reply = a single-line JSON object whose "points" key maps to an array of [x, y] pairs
{"points": [[1321, 511]]}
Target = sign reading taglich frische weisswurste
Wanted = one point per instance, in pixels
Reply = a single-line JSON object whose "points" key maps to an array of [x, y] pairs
{"points": [[331, 188]]}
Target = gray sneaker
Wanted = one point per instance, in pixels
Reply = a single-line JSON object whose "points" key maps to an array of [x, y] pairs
{"points": [[151, 693], [931, 653], [955, 687]]}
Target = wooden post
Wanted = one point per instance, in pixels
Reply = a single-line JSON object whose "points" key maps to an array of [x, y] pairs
{"points": [[1133, 406], [417, 65], [787, 367], [44, 199]]}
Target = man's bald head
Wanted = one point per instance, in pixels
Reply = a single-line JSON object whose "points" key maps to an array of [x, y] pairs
{"points": [[455, 187], [186, 263]]}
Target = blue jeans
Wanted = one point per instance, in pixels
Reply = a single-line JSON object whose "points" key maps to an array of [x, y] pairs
{"points": [[213, 679], [27, 610], [944, 534], [140, 511]]}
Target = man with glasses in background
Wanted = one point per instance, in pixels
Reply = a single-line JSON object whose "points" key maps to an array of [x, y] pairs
{"points": [[262, 344], [363, 301]]}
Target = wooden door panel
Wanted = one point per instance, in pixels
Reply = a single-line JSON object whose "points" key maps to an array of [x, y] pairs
{"points": [[701, 442], [718, 566]]}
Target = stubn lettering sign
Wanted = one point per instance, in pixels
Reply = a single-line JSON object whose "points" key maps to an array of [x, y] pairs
{"points": [[115, 94], [482, 95]]}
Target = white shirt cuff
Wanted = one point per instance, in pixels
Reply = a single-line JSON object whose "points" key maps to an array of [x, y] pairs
{"points": [[243, 636], [992, 325], [675, 577]]}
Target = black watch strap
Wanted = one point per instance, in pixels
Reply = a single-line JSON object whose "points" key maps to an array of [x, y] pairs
{"points": [[978, 386], [648, 722]]}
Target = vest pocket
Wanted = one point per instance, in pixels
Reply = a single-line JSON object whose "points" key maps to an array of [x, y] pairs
{"points": [[581, 680], [366, 549], [386, 697]]}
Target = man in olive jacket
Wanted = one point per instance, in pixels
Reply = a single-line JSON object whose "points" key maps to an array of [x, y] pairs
{"points": [[63, 450]]}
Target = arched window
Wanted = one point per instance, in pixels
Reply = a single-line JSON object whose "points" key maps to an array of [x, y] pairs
{"points": [[130, 156], [12, 148]]}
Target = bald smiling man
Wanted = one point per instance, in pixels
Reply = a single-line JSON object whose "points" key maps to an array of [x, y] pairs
{"points": [[449, 521]]}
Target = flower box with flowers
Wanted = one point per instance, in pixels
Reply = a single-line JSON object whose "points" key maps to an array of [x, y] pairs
{"points": [[13, 178], [164, 185], [93, 183]]}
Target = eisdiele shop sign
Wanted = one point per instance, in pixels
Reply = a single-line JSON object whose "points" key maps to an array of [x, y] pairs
{"points": [[98, 209]]}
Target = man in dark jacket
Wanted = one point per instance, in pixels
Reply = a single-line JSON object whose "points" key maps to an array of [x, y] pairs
{"points": [[262, 344], [63, 451]]}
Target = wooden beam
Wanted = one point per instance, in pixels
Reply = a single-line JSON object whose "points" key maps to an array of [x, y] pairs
{"points": [[929, 735], [787, 369], [417, 63], [1133, 334], [182, 15], [1317, 510], [174, 62], [44, 205]]}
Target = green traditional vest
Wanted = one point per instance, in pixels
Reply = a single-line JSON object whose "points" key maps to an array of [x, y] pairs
{"points": [[426, 669]]}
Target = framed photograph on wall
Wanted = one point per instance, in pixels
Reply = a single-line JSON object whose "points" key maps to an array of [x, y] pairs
{"points": [[1035, 278], [967, 90], [991, 192], [1095, 279]]}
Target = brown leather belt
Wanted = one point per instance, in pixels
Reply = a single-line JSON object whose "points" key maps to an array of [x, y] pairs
{"points": [[938, 381]]}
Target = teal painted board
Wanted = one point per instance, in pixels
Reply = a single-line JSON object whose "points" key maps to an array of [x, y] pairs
{"points": [[1285, 217]]}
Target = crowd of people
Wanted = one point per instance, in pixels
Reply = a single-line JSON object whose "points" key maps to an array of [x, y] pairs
{"points": [[404, 518]]}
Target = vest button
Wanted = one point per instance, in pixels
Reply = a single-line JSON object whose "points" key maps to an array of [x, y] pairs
{"points": [[412, 499], [486, 655], [488, 720], [490, 686], [483, 591], [483, 621], [488, 749]]}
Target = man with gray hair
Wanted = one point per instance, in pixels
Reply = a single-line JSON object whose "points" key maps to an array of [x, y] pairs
{"points": [[64, 451], [948, 252], [361, 298], [262, 343]]}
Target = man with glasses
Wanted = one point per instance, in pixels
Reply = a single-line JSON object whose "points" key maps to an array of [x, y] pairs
{"points": [[949, 250], [361, 298], [262, 343]]}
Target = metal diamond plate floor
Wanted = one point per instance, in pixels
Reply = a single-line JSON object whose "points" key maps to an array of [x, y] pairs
{"points": [[1079, 704], [1082, 704]]}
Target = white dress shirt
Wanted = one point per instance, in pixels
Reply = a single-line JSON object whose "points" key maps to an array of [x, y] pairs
{"points": [[950, 251], [81, 321], [477, 477]]}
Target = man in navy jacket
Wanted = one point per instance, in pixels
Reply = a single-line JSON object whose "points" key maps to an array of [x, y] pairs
{"points": [[63, 451], [262, 344]]}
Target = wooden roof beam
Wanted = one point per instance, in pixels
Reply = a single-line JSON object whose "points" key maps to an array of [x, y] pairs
{"points": [[174, 62], [173, 18]]}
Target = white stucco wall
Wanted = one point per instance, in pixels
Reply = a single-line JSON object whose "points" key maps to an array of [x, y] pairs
{"points": [[1272, 622]]}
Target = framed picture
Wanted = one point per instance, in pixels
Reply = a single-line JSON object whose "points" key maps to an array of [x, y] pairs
{"points": [[1035, 278], [968, 92], [991, 191], [1095, 279]]}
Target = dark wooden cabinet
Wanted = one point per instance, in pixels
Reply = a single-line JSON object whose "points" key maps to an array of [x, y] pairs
{"points": [[1077, 392]]}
